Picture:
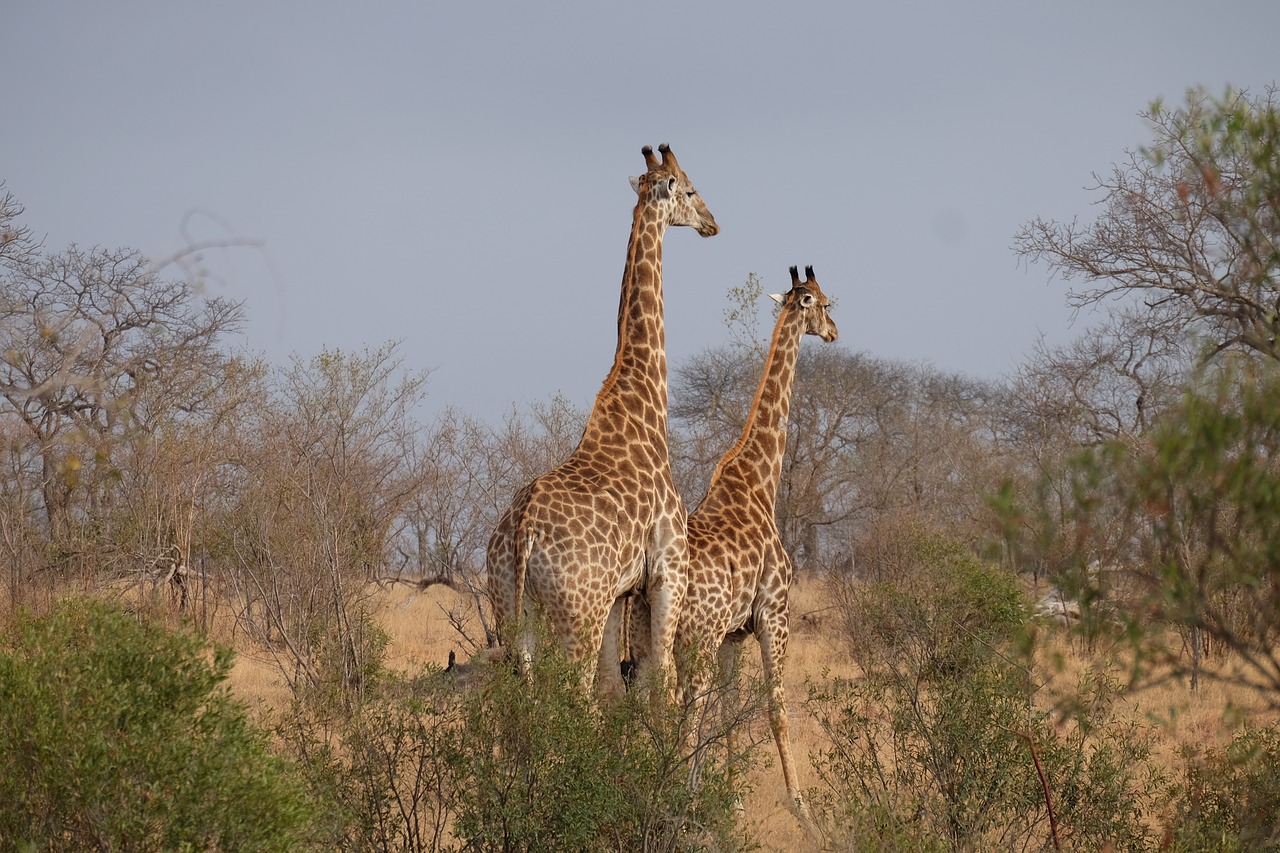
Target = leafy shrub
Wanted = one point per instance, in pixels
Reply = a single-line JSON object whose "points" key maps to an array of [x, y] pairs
{"points": [[387, 771], [938, 746], [934, 610], [1229, 799], [505, 763], [539, 775], [543, 766], [116, 735], [960, 771], [344, 660]]}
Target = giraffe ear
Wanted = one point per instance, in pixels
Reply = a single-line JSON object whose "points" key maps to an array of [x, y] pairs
{"points": [[635, 183], [777, 297]]}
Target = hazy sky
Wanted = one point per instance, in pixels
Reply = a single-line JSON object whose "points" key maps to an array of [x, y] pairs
{"points": [[454, 175]]}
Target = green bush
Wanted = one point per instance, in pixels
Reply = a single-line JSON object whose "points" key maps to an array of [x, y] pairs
{"points": [[117, 735], [937, 612], [344, 661], [386, 772], [538, 773], [939, 746], [955, 770], [545, 767], [505, 763], [1229, 799]]}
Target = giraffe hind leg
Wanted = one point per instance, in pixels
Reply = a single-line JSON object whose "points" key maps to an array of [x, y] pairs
{"points": [[609, 679]]}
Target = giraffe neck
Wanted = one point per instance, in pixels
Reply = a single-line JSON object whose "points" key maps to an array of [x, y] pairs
{"points": [[636, 387], [758, 452]]}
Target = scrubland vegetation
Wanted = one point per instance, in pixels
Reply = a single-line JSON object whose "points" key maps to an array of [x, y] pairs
{"points": [[232, 589]]}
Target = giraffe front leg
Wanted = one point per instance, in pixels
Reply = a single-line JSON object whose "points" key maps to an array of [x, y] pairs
{"points": [[773, 631], [697, 679]]}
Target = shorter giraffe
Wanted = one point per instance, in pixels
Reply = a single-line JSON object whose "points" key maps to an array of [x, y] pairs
{"points": [[739, 573]]}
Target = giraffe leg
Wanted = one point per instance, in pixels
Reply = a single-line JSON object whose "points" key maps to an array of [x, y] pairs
{"points": [[664, 603], [665, 591], [609, 674], [636, 628], [772, 631], [694, 684], [582, 637], [728, 660]]}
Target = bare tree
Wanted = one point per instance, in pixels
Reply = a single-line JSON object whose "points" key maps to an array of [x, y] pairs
{"points": [[99, 352], [868, 440], [469, 469], [531, 442], [710, 396], [173, 487], [440, 537], [1188, 225], [324, 476], [17, 245]]}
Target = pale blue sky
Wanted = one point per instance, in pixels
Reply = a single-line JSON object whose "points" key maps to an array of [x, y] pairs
{"points": [[454, 175]]}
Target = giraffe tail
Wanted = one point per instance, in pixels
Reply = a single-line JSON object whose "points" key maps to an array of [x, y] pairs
{"points": [[525, 539]]}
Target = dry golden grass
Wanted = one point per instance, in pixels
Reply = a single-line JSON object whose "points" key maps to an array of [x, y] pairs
{"points": [[420, 630], [1178, 717], [257, 680], [418, 624]]}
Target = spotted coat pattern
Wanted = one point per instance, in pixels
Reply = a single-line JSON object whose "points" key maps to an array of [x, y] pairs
{"points": [[739, 572], [608, 520]]}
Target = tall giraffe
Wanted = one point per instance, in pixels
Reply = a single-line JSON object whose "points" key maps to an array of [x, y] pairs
{"points": [[608, 519], [739, 573]]}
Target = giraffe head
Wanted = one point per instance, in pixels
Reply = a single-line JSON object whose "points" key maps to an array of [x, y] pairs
{"points": [[807, 298], [666, 186]]}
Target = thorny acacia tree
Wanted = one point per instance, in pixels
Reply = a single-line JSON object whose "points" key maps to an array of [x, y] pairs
{"points": [[1200, 503], [1189, 225], [1111, 382]]}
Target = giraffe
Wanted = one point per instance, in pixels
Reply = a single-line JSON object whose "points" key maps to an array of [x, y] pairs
{"points": [[608, 519], [739, 573]]}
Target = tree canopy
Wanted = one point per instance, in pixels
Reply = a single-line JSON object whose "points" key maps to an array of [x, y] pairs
{"points": [[1189, 225]]}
